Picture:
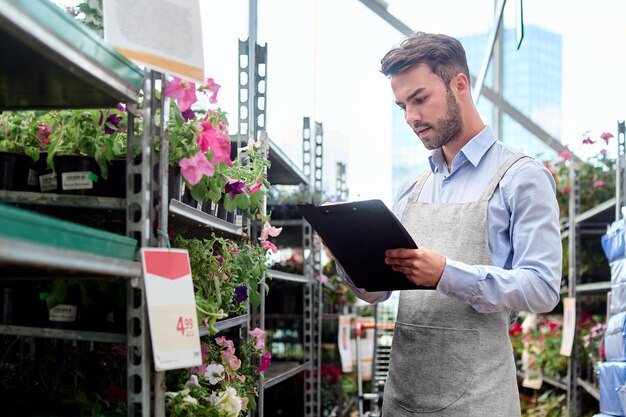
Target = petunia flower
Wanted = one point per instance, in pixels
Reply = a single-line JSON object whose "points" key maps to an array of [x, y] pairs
{"points": [[188, 115], [234, 187], [606, 136], [566, 154], [193, 169], [254, 188], [213, 87], [588, 141], [259, 338], [269, 231], [567, 188], [266, 361], [193, 382], [184, 92], [269, 245], [241, 293], [214, 373], [598, 184], [113, 120], [323, 279]]}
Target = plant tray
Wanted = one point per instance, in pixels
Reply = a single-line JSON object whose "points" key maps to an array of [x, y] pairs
{"points": [[26, 225]]}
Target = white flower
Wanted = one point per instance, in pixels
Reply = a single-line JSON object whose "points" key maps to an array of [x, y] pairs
{"points": [[193, 381], [227, 402], [214, 373]]}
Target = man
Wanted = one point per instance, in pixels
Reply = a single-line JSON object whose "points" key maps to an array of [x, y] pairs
{"points": [[485, 219]]}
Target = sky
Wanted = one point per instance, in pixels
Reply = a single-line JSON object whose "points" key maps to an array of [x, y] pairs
{"points": [[324, 58]]}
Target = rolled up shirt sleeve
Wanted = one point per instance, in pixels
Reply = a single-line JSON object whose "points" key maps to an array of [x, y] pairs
{"points": [[528, 276]]}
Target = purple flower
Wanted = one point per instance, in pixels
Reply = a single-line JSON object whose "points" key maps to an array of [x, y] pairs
{"points": [[188, 114], [241, 294], [234, 187], [113, 120]]}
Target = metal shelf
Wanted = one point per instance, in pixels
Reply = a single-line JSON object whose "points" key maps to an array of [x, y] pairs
{"points": [[283, 171], [226, 324], [34, 259], [56, 62], [597, 217], [65, 334], [280, 371], [593, 287], [200, 224], [286, 276], [555, 383], [63, 200], [587, 386]]}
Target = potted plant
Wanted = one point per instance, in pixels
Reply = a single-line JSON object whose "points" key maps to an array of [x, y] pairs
{"points": [[225, 384], [21, 138], [200, 149], [82, 143]]}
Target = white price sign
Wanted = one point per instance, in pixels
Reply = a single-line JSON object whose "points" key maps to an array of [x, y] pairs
{"points": [[171, 308]]}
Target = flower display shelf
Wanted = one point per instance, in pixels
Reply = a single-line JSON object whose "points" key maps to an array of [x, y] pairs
{"points": [[286, 276], [280, 371], [55, 62], [198, 223], [589, 388], [25, 259], [62, 200], [64, 334], [25, 225], [226, 324]]}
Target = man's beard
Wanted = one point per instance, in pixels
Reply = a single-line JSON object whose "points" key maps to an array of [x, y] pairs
{"points": [[445, 129]]}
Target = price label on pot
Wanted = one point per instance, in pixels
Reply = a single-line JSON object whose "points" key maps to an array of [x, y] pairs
{"points": [[171, 308]]}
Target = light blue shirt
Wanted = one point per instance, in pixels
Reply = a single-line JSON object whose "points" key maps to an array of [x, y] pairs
{"points": [[523, 221]]}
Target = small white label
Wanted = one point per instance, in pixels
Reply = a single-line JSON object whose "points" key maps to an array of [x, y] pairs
{"points": [[32, 177], [76, 181], [48, 182], [63, 313], [239, 220]]}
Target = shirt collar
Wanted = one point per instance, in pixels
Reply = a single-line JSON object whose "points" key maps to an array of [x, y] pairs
{"points": [[473, 151]]}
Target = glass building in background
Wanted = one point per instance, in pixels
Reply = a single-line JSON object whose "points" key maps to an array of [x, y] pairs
{"points": [[531, 82]]}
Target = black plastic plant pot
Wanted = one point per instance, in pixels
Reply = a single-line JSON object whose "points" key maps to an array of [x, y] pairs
{"points": [[115, 185], [176, 187], [14, 169], [77, 174]]}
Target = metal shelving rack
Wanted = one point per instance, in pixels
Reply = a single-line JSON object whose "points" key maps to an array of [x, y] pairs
{"points": [[592, 221]]}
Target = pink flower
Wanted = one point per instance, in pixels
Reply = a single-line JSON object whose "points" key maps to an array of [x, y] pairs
{"points": [[194, 169], [588, 141], [598, 184], [266, 360], [566, 154], [232, 361], [258, 336], [603, 151], [213, 87], [269, 245], [323, 279], [606, 136], [184, 92], [269, 231], [254, 188], [225, 343], [220, 146], [567, 188]]}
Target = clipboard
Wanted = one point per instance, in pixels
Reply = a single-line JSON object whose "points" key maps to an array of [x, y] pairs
{"points": [[357, 234]]}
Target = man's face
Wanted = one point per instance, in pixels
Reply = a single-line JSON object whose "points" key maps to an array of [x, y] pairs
{"points": [[429, 107]]}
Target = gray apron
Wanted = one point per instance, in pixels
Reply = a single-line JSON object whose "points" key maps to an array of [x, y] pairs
{"points": [[446, 358]]}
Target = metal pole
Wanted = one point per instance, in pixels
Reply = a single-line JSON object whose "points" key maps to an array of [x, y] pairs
{"points": [[252, 38]]}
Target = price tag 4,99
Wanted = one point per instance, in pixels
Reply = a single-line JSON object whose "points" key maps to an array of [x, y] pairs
{"points": [[171, 308]]}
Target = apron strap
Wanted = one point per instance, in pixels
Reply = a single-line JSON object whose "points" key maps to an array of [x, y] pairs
{"points": [[419, 184], [491, 187]]}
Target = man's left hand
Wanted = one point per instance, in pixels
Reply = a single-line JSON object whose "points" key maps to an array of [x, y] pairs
{"points": [[421, 266]]}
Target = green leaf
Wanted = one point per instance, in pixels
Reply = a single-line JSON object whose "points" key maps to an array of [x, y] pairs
{"points": [[242, 200], [199, 192], [255, 297], [229, 204]]}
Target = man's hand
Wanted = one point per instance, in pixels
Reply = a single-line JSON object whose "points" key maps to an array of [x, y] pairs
{"points": [[421, 266]]}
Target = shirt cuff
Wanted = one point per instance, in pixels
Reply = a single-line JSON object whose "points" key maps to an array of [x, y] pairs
{"points": [[459, 281]]}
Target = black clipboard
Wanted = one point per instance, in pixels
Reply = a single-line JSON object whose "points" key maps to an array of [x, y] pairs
{"points": [[357, 234]]}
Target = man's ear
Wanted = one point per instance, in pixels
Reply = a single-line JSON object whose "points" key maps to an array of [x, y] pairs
{"points": [[461, 84]]}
